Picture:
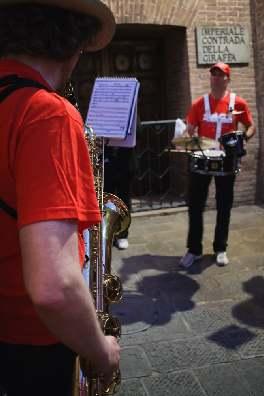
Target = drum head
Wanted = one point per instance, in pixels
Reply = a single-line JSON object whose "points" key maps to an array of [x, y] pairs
{"points": [[210, 153]]}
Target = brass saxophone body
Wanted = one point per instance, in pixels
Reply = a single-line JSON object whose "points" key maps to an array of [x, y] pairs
{"points": [[105, 287]]}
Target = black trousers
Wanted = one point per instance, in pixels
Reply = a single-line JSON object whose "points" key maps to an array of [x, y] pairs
{"points": [[198, 192], [27, 370], [118, 172]]}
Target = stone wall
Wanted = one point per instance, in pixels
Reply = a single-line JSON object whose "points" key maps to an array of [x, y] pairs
{"points": [[190, 14]]}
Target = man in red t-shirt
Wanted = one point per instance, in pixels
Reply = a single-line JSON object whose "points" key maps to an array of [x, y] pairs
{"points": [[47, 312], [213, 116]]}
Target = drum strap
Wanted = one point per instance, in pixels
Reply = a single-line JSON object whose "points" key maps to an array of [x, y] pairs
{"points": [[232, 101], [11, 84], [219, 119], [207, 104]]}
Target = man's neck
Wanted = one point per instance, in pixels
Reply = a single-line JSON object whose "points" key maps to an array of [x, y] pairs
{"points": [[51, 71], [218, 94]]}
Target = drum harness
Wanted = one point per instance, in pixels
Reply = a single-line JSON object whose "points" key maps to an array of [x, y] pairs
{"points": [[218, 119], [11, 83]]}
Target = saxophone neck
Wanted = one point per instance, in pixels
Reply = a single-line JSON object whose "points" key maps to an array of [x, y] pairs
{"points": [[69, 94], [96, 150]]}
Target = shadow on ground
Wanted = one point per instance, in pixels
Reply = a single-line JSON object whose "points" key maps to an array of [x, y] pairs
{"points": [[249, 313], [162, 288], [157, 294]]}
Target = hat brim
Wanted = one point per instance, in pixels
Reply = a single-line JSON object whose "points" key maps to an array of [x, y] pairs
{"points": [[90, 7], [222, 70]]}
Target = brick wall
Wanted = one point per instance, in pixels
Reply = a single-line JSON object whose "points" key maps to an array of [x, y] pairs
{"points": [[223, 13], [177, 71], [186, 81], [258, 23], [157, 12]]}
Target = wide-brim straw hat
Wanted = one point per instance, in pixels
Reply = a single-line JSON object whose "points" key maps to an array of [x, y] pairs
{"points": [[90, 7]]}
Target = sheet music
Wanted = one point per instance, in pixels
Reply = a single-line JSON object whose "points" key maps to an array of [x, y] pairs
{"points": [[130, 139], [112, 109]]}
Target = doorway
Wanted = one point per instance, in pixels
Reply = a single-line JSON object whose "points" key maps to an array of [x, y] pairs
{"points": [[155, 56]]}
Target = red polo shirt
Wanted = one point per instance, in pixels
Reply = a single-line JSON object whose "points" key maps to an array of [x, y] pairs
{"points": [[45, 174], [208, 129]]}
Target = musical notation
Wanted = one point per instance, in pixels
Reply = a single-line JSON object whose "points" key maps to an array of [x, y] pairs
{"points": [[112, 109]]}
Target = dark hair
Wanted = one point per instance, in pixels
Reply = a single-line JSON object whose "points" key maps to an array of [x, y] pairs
{"points": [[44, 31]]}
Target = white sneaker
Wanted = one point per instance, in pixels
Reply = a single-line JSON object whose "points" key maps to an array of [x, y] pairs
{"points": [[188, 259], [221, 259], [122, 243]]}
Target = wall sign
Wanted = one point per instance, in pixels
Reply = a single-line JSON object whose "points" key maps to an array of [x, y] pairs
{"points": [[229, 44]]}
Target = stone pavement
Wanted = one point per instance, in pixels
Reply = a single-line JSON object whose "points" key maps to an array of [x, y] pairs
{"points": [[197, 332]]}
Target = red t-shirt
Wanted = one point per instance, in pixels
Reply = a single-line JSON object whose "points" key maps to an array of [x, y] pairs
{"points": [[208, 129], [45, 174]]}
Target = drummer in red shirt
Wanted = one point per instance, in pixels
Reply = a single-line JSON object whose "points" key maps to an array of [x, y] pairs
{"points": [[214, 115]]}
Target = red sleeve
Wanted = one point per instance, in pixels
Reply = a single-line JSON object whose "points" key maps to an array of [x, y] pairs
{"points": [[246, 117], [53, 173], [194, 114]]}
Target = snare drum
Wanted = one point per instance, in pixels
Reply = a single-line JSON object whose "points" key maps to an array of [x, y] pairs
{"points": [[233, 143], [213, 162]]}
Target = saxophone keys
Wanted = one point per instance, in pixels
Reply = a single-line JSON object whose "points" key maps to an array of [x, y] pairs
{"points": [[109, 324], [115, 384], [112, 288]]}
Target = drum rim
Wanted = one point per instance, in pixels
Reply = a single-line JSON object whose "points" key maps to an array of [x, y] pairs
{"points": [[216, 173], [233, 133], [201, 154]]}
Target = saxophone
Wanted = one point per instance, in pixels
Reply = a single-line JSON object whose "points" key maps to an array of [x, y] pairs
{"points": [[105, 287]]}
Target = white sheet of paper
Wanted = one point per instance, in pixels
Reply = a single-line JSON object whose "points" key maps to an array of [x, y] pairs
{"points": [[110, 109], [130, 139]]}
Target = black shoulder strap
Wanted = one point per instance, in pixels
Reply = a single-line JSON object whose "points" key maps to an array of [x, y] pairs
{"points": [[12, 82], [10, 211]]}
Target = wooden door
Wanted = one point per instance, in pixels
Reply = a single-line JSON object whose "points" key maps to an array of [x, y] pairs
{"points": [[143, 59]]}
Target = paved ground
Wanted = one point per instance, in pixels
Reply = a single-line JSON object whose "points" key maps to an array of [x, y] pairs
{"points": [[198, 332]]}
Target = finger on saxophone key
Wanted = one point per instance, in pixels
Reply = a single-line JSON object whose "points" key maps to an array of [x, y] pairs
{"points": [[108, 373], [111, 365], [113, 353], [104, 368]]}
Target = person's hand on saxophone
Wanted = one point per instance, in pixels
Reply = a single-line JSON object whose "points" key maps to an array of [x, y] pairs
{"points": [[104, 369]]}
